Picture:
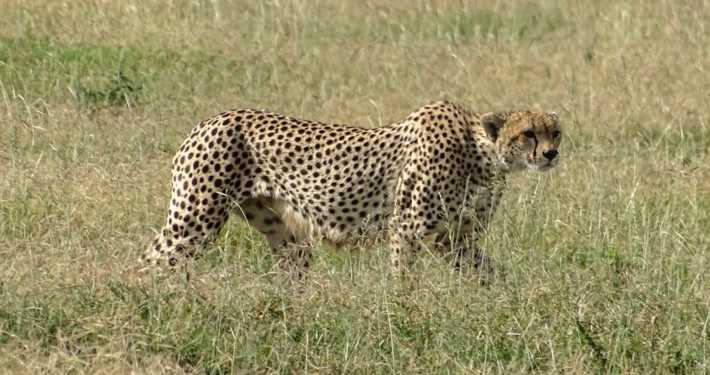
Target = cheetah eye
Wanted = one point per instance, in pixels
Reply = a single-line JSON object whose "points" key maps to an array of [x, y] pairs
{"points": [[529, 134], [555, 134]]}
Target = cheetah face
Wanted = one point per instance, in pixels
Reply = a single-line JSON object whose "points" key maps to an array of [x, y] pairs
{"points": [[525, 140]]}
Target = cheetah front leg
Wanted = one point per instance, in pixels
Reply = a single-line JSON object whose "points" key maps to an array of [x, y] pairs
{"points": [[468, 256], [473, 259], [462, 239], [398, 257], [404, 243]]}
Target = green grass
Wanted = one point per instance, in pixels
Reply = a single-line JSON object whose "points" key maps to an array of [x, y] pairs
{"points": [[605, 258]]}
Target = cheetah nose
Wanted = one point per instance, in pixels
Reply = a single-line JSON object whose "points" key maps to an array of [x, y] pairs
{"points": [[550, 154]]}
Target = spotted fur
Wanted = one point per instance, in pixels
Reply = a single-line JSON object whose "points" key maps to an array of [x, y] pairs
{"points": [[439, 172]]}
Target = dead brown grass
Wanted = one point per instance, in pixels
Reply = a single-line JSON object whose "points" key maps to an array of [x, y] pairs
{"points": [[606, 257]]}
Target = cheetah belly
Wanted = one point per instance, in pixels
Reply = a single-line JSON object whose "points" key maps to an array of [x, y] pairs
{"points": [[305, 225]]}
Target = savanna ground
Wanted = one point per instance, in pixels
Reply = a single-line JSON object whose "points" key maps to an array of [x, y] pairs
{"points": [[605, 257]]}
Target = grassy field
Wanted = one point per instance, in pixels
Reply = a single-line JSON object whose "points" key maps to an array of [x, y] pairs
{"points": [[606, 257]]}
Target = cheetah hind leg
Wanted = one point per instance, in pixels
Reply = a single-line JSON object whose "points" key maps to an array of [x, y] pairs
{"points": [[170, 253], [288, 253], [183, 236]]}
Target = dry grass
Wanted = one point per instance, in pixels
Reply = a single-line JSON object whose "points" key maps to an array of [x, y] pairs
{"points": [[606, 257]]}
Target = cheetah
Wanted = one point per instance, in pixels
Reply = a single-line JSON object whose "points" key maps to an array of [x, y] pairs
{"points": [[439, 173]]}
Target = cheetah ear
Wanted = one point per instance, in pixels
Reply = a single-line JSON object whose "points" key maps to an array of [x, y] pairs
{"points": [[492, 122], [553, 116]]}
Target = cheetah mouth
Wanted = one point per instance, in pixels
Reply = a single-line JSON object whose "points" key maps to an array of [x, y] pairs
{"points": [[545, 168]]}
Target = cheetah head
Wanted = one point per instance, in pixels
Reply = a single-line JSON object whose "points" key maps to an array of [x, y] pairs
{"points": [[524, 139]]}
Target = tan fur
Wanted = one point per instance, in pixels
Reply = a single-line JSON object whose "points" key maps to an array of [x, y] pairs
{"points": [[297, 181]]}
